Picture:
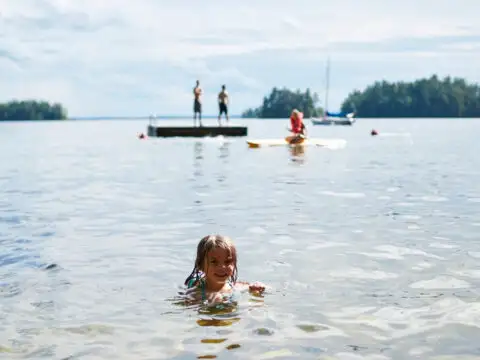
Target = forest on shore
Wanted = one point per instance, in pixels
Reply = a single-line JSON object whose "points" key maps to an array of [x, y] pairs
{"points": [[428, 97], [31, 110]]}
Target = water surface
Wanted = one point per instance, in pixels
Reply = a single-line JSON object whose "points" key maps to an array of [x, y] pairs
{"points": [[371, 251]]}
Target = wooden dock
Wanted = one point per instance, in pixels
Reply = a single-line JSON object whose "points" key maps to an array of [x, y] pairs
{"points": [[200, 131]]}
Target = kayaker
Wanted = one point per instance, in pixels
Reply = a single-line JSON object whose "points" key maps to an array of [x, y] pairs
{"points": [[297, 127]]}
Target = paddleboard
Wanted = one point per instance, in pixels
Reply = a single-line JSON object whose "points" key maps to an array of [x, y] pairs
{"points": [[255, 143]]}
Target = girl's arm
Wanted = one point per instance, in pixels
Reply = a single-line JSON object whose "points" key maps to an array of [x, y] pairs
{"points": [[252, 287]]}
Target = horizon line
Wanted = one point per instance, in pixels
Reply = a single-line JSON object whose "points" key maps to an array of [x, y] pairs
{"points": [[144, 117]]}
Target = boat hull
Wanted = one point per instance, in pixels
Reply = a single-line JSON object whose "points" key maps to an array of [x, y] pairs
{"points": [[333, 121]]}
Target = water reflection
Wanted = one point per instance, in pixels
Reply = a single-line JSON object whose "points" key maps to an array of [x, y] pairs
{"points": [[199, 187], [223, 155], [217, 324], [198, 149], [199, 157], [220, 316], [297, 154], [224, 151]]}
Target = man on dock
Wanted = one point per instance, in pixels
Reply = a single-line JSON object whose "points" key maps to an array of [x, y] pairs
{"points": [[223, 104], [197, 104]]}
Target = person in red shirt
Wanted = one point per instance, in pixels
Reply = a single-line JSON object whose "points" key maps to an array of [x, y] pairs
{"points": [[297, 127]]}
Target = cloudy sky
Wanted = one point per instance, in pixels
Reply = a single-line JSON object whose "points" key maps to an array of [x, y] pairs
{"points": [[136, 57]]}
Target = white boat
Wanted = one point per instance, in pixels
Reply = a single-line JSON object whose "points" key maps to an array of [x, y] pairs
{"points": [[331, 118], [335, 119]]}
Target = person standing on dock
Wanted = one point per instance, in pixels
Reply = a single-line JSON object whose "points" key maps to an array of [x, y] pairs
{"points": [[197, 104], [223, 104]]}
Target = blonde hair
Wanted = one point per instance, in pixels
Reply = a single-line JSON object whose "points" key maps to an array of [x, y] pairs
{"points": [[207, 244]]}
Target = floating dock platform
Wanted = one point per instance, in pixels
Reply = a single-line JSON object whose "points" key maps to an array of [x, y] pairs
{"points": [[197, 131]]}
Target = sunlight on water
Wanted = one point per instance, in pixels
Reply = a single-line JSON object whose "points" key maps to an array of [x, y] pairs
{"points": [[369, 250]]}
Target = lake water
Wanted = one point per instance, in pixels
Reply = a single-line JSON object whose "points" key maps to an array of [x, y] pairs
{"points": [[370, 251]]}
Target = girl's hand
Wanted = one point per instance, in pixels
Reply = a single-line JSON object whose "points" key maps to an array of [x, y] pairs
{"points": [[256, 287]]}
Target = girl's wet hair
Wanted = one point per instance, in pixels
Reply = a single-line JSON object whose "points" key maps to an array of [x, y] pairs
{"points": [[207, 244]]}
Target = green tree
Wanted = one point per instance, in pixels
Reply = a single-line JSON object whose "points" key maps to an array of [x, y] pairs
{"points": [[31, 110], [280, 103], [430, 97]]}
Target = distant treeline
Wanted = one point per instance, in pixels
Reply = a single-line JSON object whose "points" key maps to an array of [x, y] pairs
{"points": [[31, 110], [430, 97], [281, 102], [423, 98]]}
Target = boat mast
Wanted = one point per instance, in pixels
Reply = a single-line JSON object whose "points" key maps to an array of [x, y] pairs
{"points": [[327, 85]]}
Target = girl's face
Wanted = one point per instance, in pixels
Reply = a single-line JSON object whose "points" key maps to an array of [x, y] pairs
{"points": [[218, 267]]}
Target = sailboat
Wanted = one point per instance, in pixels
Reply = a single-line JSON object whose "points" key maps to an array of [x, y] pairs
{"points": [[333, 118]]}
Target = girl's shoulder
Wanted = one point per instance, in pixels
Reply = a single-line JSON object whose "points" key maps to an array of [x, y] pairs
{"points": [[194, 291], [195, 281], [195, 285], [192, 283]]}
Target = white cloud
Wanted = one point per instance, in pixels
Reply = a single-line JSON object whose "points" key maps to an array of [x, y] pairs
{"points": [[136, 57]]}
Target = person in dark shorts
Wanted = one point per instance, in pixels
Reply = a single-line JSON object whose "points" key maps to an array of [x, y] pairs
{"points": [[197, 104], [223, 104]]}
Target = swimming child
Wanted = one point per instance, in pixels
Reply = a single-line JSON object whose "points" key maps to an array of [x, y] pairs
{"points": [[214, 275]]}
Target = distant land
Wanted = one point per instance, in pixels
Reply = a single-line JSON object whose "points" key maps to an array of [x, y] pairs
{"points": [[147, 117], [21, 110], [424, 98], [161, 118], [140, 117]]}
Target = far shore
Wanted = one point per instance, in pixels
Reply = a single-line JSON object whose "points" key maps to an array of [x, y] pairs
{"points": [[161, 118]]}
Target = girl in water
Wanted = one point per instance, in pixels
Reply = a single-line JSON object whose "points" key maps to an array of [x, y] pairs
{"points": [[214, 275]]}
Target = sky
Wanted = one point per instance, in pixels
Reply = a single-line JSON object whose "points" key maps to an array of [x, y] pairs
{"points": [[142, 57]]}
